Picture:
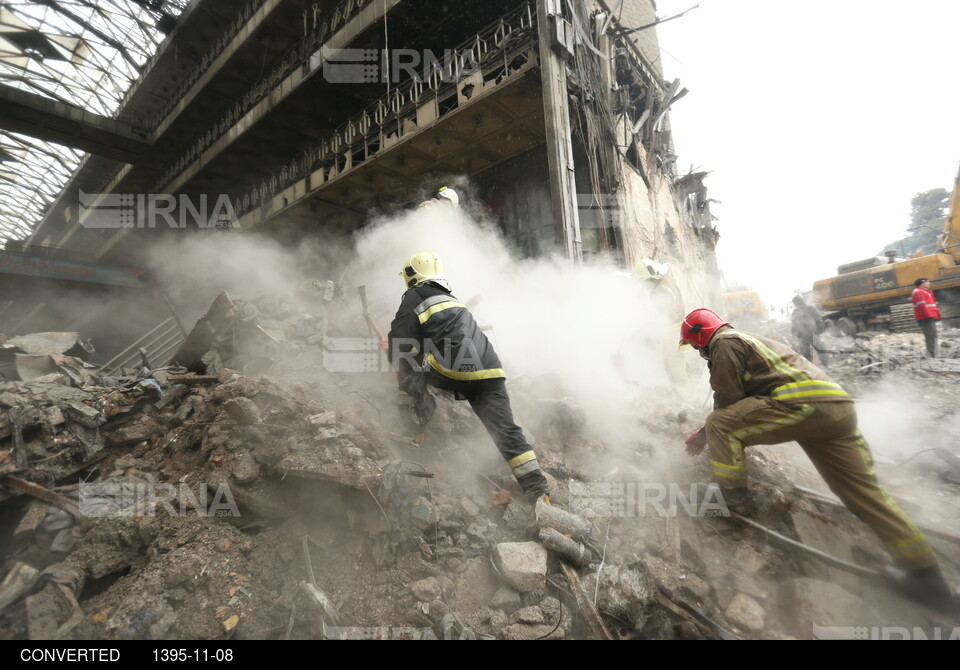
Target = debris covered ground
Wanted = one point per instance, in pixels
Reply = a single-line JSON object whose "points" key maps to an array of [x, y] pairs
{"points": [[253, 494]]}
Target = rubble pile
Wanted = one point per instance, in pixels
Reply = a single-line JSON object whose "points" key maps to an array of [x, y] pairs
{"points": [[206, 500], [876, 354]]}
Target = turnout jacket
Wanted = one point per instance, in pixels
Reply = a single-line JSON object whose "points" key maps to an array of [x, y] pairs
{"points": [[924, 304], [743, 365], [435, 333]]}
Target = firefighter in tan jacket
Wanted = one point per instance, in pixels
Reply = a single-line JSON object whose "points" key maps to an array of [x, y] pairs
{"points": [[766, 393]]}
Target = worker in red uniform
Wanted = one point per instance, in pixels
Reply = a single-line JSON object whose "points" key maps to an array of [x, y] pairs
{"points": [[766, 393], [927, 313]]}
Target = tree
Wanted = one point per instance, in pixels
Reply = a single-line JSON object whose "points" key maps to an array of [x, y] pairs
{"points": [[928, 212]]}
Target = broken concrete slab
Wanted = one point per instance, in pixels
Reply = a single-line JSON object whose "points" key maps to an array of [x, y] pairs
{"points": [[242, 410], [522, 564], [307, 463], [49, 343]]}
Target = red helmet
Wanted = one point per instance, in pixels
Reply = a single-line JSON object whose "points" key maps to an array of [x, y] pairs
{"points": [[699, 326]]}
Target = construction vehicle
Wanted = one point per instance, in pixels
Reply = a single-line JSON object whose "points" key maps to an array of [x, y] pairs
{"points": [[744, 307], [875, 294]]}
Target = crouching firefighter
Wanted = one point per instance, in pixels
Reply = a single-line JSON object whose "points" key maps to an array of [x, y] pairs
{"points": [[766, 393], [435, 340]]}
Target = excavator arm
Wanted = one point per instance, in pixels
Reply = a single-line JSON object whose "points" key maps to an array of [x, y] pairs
{"points": [[949, 241]]}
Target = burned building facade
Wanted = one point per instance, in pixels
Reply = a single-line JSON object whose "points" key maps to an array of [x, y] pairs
{"points": [[302, 119]]}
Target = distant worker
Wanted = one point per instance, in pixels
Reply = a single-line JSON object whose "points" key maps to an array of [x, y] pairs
{"points": [[666, 298], [435, 340], [927, 313], [806, 326], [440, 196], [765, 393]]}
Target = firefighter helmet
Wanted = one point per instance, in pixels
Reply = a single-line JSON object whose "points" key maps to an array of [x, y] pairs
{"points": [[651, 269], [699, 326], [441, 194], [422, 267]]}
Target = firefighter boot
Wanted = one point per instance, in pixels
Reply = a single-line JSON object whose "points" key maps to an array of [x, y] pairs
{"points": [[927, 586], [734, 500], [737, 500]]}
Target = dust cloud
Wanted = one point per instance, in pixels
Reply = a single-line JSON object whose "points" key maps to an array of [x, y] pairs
{"points": [[589, 334]]}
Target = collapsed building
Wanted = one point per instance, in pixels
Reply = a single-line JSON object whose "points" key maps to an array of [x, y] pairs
{"points": [[182, 461], [247, 112]]}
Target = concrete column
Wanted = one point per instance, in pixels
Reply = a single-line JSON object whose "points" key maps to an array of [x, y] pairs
{"points": [[556, 108]]}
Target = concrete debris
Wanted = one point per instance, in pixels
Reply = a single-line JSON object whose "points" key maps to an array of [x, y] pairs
{"points": [[68, 344], [626, 592], [506, 599], [522, 564], [242, 410], [18, 582], [182, 496]]}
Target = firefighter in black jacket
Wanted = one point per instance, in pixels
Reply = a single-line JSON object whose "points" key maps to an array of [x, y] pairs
{"points": [[434, 340]]}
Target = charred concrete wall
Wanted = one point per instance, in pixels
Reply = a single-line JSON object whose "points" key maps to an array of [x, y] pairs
{"points": [[631, 201], [516, 194]]}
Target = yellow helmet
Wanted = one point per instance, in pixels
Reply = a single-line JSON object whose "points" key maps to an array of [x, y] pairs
{"points": [[651, 269], [422, 267]]}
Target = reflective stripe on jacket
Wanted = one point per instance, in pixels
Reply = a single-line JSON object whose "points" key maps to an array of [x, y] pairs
{"points": [[432, 325], [744, 365], [924, 304]]}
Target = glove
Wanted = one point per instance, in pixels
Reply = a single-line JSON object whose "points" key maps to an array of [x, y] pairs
{"points": [[418, 408], [534, 485], [424, 407], [696, 442]]}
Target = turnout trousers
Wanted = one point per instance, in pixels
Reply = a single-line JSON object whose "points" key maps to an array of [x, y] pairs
{"points": [[489, 400], [827, 432]]}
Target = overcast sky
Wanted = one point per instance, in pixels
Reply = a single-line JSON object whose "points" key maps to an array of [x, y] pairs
{"points": [[818, 120]]}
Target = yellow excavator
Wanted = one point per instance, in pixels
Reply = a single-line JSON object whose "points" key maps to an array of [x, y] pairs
{"points": [[875, 294], [744, 307]]}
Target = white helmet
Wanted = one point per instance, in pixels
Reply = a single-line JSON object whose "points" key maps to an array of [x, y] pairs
{"points": [[422, 267], [443, 193]]}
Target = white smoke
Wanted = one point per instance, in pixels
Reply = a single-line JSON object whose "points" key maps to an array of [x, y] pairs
{"points": [[590, 333], [593, 328]]}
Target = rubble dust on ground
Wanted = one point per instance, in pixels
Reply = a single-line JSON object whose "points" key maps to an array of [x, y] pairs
{"points": [[251, 493]]}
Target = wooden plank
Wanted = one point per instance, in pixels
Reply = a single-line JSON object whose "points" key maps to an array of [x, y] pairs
{"points": [[40, 493], [597, 629]]}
